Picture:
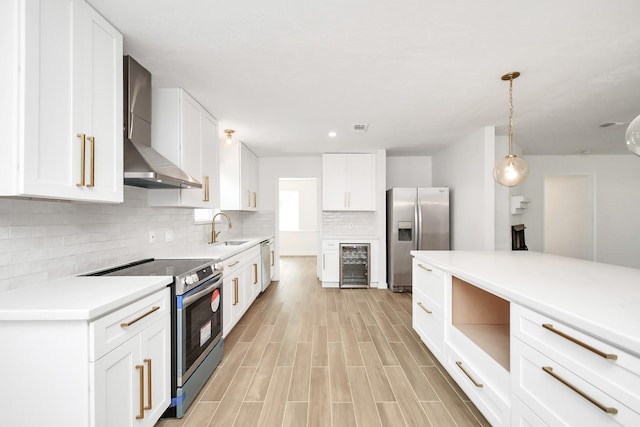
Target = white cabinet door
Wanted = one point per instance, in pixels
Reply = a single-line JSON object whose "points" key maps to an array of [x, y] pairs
{"points": [[361, 182], [155, 344], [348, 182], [238, 178], [254, 284], [334, 182], [68, 139], [186, 134], [117, 386]]}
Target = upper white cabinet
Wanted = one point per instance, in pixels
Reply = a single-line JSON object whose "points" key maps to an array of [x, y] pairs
{"points": [[238, 178], [64, 104], [186, 134], [348, 182]]}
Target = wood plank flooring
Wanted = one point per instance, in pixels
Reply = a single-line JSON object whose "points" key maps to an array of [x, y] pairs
{"points": [[307, 356]]}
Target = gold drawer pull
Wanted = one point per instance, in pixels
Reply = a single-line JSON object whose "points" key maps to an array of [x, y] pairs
{"points": [[255, 274], [83, 139], [233, 263], [141, 369], [477, 384], [425, 268], [149, 406], [580, 343], [608, 410], [235, 291], [424, 308], [126, 325], [92, 172]]}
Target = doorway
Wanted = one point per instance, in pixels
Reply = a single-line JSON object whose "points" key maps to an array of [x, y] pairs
{"points": [[298, 216], [568, 216]]}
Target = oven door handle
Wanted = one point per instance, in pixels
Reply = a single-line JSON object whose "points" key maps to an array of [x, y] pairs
{"points": [[188, 300]]}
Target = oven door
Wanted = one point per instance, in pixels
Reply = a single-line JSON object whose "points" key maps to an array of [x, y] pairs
{"points": [[199, 326]]}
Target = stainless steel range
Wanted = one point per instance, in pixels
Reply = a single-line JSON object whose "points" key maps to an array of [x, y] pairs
{"points": [[196, 322]]}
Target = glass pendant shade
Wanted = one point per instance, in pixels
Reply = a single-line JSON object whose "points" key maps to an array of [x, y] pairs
{"points": [[510, 171], [632, 136]]}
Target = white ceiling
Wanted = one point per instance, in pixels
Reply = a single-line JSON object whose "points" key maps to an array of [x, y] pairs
{"points": [[422, 73]]}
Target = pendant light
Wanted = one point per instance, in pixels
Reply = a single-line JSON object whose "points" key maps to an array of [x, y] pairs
{"points": [[510, 170], [633, 136]]}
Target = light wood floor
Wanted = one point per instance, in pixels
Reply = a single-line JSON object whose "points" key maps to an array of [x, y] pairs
{"points": [[307, 356]]}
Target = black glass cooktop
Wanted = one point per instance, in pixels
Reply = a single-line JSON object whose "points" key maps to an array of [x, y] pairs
{"points": [[155, 267]]}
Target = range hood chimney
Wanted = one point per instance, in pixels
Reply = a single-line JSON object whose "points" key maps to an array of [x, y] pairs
{"points": [[144, 166]]}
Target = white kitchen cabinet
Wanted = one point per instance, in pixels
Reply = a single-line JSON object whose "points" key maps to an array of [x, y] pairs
{"points": [[131, 383], [428, 306], [238, 178], [348, 182], [272, 251], [65, 106], [241, 285], [568, 377], [186, 134], [330, 264]]}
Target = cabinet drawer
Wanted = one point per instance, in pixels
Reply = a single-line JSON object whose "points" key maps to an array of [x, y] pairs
{"points": [[559, 396], [330, 244], [523, 416], [232, 264], [429, 281], [428, 322], [488, 392], [108, 332], [618, 376]]}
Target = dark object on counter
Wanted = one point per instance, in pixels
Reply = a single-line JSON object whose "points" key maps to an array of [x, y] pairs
{"points": [[517, 238]]}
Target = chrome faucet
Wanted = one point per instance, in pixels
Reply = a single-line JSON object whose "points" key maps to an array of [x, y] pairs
{"points": [[214, 234]]}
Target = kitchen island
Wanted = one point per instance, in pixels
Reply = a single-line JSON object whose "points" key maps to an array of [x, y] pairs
{"points": [[533, 337]]}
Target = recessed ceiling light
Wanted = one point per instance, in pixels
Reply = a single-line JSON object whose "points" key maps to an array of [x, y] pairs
{"points": [[332, 134]]}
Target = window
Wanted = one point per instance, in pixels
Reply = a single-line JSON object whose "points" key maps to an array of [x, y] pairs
{"points": [[289, 211]]}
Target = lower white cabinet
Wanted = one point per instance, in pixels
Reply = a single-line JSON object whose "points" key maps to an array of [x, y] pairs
{"points": [[113, 370], [330, 264], [241, 285], [518, 366]]}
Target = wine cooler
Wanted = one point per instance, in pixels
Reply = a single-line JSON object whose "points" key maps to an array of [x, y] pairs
{"points": [[354, 265]]}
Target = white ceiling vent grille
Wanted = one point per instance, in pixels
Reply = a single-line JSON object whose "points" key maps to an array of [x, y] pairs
{"points": [[360, 127]]}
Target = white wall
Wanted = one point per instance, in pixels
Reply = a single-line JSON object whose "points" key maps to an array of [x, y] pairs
{"points": [[466, 168], [414, 171], [617, 202]]}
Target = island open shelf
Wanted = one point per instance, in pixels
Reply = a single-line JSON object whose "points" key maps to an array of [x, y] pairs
{"points": [[483, 318]]}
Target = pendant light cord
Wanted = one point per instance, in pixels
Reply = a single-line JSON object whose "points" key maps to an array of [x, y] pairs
{"points": [[510, 114]]}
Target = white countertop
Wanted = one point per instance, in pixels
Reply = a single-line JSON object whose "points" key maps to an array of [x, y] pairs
{"points": [[601, 299], [77, 298], [214, 251]]}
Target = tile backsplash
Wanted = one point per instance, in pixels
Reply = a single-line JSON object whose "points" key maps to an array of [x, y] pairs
{"points": [[47, 240], [339, 223]]}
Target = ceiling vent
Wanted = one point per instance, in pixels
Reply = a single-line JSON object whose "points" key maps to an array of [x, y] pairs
{"points": [[360, 127]]}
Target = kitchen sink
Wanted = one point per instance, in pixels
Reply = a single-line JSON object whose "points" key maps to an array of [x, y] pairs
{"points": [[231, 243]]}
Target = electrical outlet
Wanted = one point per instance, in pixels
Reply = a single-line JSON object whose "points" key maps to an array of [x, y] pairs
{"points": [[152, 237], [168, 235]]}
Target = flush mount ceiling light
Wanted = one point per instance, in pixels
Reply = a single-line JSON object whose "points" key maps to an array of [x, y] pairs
{"points": [[511, 170], [632, 136], [229, 139]]}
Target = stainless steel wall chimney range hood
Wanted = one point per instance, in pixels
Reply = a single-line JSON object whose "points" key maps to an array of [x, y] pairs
{"points": [[144, 166]]}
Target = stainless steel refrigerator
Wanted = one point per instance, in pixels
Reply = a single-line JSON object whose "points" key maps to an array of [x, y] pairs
{"points": [[417, 219]]}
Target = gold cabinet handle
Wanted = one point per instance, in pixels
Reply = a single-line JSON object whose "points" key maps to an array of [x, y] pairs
{"points": [[148, 363], [425, 308], [205, 189], [126, 325], [273, 258], [603, 408], [141, 415], [323, 261], [235, 291], [92, 172], [255, 274], [255, 199], [425, 268], [477, 384], [83, 139], [233, 263], [600, 353]]}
